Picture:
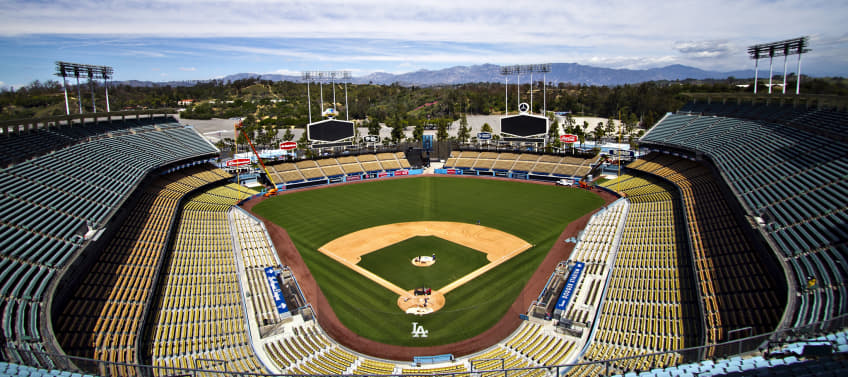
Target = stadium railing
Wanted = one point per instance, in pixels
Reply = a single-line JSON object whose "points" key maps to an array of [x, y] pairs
{"points": [[755, 344]]}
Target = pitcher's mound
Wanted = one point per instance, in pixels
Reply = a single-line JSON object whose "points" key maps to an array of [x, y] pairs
{"points": [[421, 304], [423, 261]]}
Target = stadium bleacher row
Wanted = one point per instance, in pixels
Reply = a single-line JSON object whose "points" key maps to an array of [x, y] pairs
{"points": [[823, 118], [795, 181], [256, 254], [597, 248], [736, 289], [55, 191], [103, 317], [37, 142], [786, 360], [309, 170], [548, 165], [652, 260], [199, 315]]}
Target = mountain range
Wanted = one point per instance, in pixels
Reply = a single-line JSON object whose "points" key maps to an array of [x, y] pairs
{"points": [[560, 72]]}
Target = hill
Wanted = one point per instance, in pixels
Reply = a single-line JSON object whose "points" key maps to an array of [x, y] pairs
{"points": [[560, 72]]}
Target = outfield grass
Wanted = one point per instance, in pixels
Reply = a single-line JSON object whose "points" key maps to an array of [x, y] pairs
{"points": [[535, 213], [394, 262]]}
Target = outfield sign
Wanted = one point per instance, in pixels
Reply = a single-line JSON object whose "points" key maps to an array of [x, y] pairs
{"points": [[276, 292], [288, 145], [401, 172], [354, 177], [568, 138], [484, 136], [382, 174], [238, 162], [371, 138], [570, 286]]}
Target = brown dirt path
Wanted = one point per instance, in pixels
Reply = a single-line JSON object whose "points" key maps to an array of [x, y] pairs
{"points": [[509, 322]]}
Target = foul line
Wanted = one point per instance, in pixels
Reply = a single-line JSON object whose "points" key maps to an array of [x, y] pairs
{"points": [[480, 271], [383, 282]]}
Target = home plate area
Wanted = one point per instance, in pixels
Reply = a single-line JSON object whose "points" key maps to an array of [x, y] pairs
{"points": [[498, 247]]}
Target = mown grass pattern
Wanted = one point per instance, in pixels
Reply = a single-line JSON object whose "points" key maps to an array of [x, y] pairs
{"points": [[535, 213]]}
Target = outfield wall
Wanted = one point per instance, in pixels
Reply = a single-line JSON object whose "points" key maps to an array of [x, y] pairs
{"points": [[350, 178], [504, 174]]}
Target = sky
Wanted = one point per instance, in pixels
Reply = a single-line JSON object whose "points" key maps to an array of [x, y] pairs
{"points": [[155, 40]]}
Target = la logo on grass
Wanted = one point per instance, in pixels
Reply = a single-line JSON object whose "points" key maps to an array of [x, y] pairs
{"points": [[418, 331]]}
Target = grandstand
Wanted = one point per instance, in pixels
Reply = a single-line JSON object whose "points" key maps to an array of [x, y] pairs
{"points": [[322, 170], [124, 250], [60, 195], [198, 315], [652, 259], [797, 200], [540, 166]]}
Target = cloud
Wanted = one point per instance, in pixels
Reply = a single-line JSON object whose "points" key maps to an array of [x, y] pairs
{"points": [[704, 49], [286, 72], [188, 69]]}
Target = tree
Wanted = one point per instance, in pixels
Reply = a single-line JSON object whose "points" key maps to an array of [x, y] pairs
{"points": [[570, 124], [418, 132], [486, 128], [442, 132], [553, 133], [302, 142], [373, 127], [464, 132], [397, 132], [288, 136]]}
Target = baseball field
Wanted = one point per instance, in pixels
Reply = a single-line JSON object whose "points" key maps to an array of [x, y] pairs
{"points": [[534, 214]]}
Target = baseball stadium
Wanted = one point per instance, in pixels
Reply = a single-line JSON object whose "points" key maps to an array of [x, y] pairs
{"points": [[130, 248]]}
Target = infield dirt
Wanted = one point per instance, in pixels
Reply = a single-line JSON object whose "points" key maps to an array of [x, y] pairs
{"points": [[498, 246]]}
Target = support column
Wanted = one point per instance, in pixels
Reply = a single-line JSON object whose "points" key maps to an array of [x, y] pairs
{"points": [[79, 94], [544, 94], [93, 105], [106, 85], [531, 92], [506, 95], [798, 83], [308, 101], [65, 88], [518, 85], [756, 73], [771, 58]]}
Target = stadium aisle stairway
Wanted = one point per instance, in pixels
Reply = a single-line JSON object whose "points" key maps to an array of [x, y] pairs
{"points": [[650, 304], [102, 319], [199, 317]]}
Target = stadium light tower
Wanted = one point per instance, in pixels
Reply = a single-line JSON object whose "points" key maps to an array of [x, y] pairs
{"points": [[65, 69], [528, 68], [321, 76], [795, 46]]}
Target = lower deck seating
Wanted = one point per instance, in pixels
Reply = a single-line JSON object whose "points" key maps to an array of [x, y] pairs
{"points": [[103, 317], [650, 305], [200, 313], [329, 167], [524, 163], [735, 288]]}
